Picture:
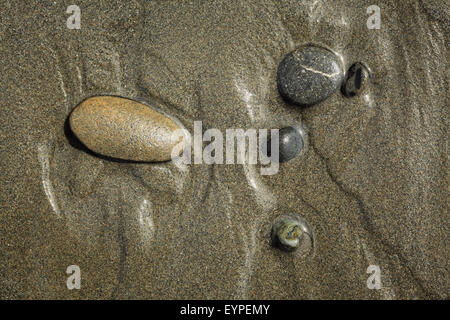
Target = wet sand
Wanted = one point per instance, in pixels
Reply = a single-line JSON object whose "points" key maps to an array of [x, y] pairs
{"points": [[372, 182]]}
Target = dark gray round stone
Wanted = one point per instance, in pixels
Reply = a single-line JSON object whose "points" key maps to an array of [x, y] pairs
{"points": [[356, 80], [290, 143], [309, 75]]}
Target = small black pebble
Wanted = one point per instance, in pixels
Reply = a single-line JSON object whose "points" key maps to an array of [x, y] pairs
{"points": [[356, 80], [290, 144]]}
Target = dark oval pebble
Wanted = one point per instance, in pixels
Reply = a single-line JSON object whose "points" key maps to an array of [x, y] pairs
{"points": [[290, 143], [309, 75], [356, 80]]}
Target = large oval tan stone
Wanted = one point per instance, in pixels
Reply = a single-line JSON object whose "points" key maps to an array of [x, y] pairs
{"points": [[124, 129]]}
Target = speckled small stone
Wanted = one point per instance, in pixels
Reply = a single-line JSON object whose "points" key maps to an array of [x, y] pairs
{"points": [[356, 80], [290, 144], [124, 129], [291, 232], [309, 75]]}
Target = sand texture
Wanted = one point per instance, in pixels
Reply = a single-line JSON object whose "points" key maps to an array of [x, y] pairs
{"points": [[371, 180]]}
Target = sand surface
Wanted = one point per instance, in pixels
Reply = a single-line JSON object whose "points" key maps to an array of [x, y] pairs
{"points": [[372, 182]]}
